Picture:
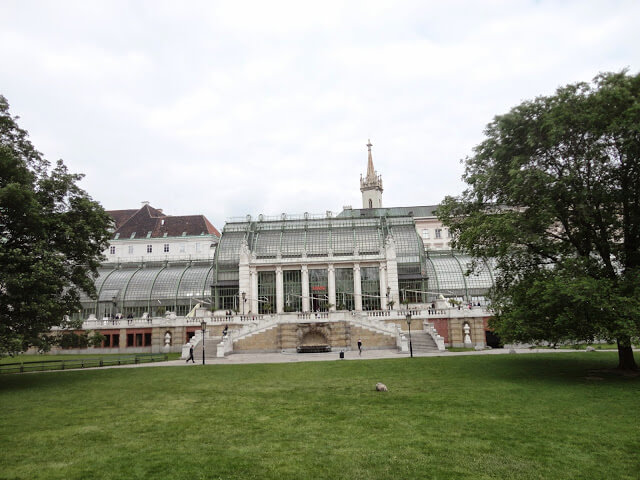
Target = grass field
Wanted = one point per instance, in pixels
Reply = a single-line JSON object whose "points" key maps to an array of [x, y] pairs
{"points": [[544, 416]]}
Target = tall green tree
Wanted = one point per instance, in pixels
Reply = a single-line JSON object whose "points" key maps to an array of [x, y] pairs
{"points": [[52, 235], [554, 196]]}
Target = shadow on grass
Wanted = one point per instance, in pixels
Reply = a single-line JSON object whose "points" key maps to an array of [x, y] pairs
{"points": [[588, 367]]}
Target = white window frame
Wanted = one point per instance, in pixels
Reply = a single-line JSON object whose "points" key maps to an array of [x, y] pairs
{"points": [[149, 248], [166, 248]]}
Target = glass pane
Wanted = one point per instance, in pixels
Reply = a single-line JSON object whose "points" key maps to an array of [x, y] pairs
{"points": [[344, 289]]}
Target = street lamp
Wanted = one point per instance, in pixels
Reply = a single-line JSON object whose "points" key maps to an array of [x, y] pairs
{"points": [[408, 317], [204, 329], [244, 299]]}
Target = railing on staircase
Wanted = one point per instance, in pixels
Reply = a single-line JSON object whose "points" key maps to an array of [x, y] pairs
{"points": [[437, 338]]}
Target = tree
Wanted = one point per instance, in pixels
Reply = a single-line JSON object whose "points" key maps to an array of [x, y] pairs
{"points": [[554, 197], [52, 235]]}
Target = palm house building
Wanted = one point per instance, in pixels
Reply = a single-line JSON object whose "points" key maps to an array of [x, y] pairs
{"points": [[302, 283]]}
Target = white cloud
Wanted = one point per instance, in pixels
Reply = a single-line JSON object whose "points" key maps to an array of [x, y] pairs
{"points": [[228, 108]]}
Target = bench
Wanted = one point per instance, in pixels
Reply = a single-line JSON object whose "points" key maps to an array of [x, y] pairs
{"points": [[313, 348]]}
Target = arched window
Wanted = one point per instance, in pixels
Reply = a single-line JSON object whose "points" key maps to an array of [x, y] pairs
{"points": [[370, 203]]}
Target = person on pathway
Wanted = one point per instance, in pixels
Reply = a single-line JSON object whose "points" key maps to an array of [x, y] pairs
{"points": [[359, 346], [191, 355]]}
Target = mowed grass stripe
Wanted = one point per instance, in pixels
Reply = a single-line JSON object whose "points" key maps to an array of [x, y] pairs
{"points": [[525, 417]]}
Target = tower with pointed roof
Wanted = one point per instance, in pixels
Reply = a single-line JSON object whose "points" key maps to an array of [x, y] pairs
{"points": [[371, 185]]}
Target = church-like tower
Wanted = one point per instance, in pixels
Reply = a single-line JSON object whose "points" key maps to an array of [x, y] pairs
{"points": [[371, 185]]}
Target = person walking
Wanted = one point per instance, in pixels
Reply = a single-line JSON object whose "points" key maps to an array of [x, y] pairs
{"points": [[359, 346], [191, 354]]}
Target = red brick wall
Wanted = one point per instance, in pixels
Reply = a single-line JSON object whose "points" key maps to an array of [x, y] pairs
{"points": [[442, 327]]}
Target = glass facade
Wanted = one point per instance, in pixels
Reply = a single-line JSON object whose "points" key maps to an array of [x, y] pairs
{"points": [[412, 290], [292, 290], [155, 287], [318, 290], [370, 283], [266, 292], [344, 289]]}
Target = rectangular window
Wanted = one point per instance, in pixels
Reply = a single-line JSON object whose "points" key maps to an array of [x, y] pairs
{"points": [[370, 284], [425, 234], [266, 292], [438, 233], [112, 250], [197, 247], [149, 248], [130, 249], [183, 248], [292, 282], [166, 248], [449, 234], [344, 288], [318, 290]]}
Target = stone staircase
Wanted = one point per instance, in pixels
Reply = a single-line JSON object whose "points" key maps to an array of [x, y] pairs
{"points": [[210, 348], [422, 342]]}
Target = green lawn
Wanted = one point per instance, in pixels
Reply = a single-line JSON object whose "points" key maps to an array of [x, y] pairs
{"points": [[37, 357], [543, 416]]}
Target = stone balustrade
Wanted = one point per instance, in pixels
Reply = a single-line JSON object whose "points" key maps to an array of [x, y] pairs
{"points": [[252, 319]]}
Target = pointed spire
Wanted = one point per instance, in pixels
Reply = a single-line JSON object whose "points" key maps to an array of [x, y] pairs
{"points": [[371, 173]]}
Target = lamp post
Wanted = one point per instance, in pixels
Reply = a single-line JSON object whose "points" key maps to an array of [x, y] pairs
{"points": [[204, 329], [408, 317], [244, 299]]}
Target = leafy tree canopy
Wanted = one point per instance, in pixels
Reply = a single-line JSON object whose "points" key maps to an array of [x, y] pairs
{"points": [[52, 235], [554, 196]]}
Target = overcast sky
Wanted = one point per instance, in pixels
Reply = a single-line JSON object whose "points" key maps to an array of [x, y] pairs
{"points": [[230, 108]]}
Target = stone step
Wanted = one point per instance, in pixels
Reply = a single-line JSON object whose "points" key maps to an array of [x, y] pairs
{"points": [[422, 342]]}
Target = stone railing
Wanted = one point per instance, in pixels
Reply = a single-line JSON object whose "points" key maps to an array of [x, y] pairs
{"points": [[171, 320], [431, 330]]}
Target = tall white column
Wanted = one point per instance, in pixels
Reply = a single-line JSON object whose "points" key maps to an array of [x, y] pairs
{"points": [[357, 287], [331, 285], [304, 276], [279, 290], [383, 286], [253, 294]]}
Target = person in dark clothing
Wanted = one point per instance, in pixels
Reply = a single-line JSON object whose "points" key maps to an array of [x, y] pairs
{"points": [[226, 329], [359, 346], [191, 355]]}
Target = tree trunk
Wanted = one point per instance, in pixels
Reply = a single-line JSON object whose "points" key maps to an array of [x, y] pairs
{"points": [[625, 355]]}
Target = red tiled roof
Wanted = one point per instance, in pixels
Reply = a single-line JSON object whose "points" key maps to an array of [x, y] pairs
{"points": [[149, 219], [121, 216]]}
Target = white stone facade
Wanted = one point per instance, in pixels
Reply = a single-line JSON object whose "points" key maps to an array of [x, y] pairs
{"points": [[164, 248]]}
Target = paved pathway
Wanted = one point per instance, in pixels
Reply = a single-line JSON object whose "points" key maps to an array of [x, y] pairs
{"points": [[246, 358]]}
